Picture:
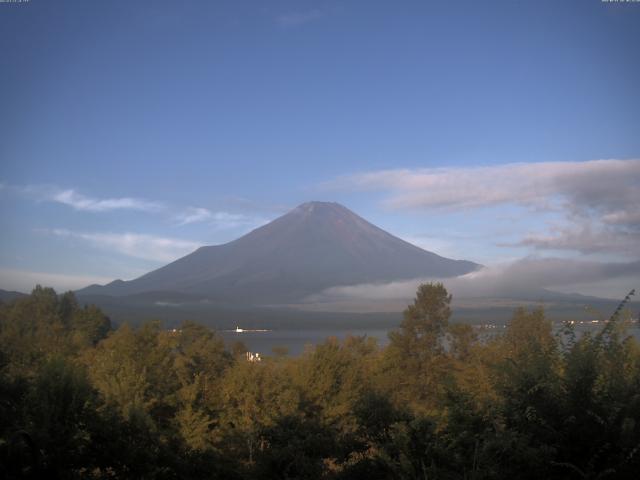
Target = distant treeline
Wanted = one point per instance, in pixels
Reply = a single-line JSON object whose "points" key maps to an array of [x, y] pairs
{"points": [[79, 399]]}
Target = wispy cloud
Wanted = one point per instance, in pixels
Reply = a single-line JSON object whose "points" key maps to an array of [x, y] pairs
{"points": [[600, 197], [147, 247], [218, 219], [78, 201], [180, 215], [294, 19], [194, 215], [81, 202]]}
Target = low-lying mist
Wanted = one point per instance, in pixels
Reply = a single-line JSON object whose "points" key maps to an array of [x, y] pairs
{"points": [[523, 279]]}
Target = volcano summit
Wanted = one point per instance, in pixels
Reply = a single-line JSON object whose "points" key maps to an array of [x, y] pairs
{"points": [[315, 246]]}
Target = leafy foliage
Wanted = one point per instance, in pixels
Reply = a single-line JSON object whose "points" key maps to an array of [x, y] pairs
{"points": [[81, 400]]}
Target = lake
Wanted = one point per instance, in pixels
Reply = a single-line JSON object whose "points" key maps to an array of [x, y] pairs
{"points": [[296, 339]]}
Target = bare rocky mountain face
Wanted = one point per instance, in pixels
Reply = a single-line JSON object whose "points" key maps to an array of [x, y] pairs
{"points": [[316, 246]]}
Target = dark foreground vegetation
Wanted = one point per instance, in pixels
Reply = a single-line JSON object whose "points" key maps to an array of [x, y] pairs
{"points": [[80, 400]]}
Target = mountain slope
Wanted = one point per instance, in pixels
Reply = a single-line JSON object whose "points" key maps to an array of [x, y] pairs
{"points": [[315, 246], [8, 296]]}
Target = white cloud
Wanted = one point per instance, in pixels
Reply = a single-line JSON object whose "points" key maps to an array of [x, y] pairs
{"points": [[81, 202], [194, 215], [24, 280], [71, 198], [181, 216], [600, 197], [136, 245], [218, 219], [598, 183], [523, 278]]}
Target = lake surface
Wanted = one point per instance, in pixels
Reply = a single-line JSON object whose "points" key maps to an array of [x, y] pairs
{"points": [[296, 340]]}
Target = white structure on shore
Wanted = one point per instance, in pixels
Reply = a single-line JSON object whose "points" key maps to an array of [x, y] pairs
{"points": [[253, 357]]}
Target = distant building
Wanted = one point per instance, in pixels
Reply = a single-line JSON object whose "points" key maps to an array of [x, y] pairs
{"points": [[253, 357]]}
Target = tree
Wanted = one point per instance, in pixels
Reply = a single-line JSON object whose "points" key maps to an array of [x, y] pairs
{"points": [[67, 306], [132, 370], [414, 361], [31, 332], [199, 361], [297, 447], [424, 323], [332, 378], [59, 408], [255, 396]]}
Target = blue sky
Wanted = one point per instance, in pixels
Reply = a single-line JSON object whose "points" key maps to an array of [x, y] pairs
{"points": [[134, 131]]}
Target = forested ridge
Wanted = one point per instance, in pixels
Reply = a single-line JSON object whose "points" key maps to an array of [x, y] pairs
{"points": [[79, 399]]}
